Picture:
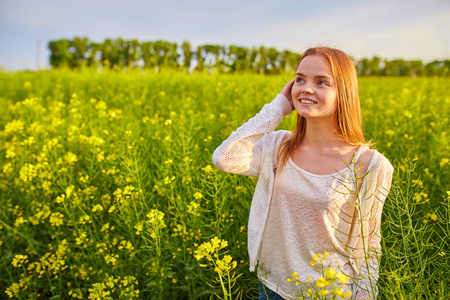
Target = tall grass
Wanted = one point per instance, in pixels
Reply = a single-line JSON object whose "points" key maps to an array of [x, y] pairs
{"points": [[107, 187]]}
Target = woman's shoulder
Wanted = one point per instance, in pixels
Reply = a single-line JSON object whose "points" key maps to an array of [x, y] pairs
{"points": [[276, 137], [378, 161], [367, 155], [286, 135]]}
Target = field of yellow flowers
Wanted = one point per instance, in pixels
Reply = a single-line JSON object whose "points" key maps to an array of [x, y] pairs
{"points": [[107, 189]]}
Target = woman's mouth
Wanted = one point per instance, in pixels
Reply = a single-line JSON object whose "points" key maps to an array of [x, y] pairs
{"points": [[307, 101]]}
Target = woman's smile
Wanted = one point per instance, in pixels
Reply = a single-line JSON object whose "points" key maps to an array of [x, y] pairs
{"points": [[307, 101]]}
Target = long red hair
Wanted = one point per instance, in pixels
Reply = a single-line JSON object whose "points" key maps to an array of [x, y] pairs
{"points": [[348, 108]]}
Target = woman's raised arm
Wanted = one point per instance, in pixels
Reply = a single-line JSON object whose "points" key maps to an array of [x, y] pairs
{"points": [[242, 152]]}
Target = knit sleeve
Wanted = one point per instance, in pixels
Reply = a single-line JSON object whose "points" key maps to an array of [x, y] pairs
{"points": [[241, 152], [366, 287]]}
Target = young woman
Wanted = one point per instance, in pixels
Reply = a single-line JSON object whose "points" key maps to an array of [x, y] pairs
{"points": [[320, 188]]}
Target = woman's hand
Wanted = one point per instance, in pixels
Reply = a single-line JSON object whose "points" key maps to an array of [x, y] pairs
{"points": [[287, 92]]}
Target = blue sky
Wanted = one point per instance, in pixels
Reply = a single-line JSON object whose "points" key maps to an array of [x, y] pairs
{"points": [[409, 29]]}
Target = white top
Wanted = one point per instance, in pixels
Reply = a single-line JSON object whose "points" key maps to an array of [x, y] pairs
{"points": [[303, 216], [252, 150]]}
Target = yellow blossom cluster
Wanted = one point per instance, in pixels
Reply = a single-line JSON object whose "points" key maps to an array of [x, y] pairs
{"points": [[318, 258], [156, 218], [155, 222], [210, 251], [51, 262], [19, 259], [330, 284], [115, 288], [13, 291], [124, 196], [192, 208]]}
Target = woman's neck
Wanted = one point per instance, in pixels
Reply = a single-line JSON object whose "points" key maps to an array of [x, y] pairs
{"points": [[321, 134]]}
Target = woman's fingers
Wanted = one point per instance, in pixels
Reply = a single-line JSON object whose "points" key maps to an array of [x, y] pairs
{"points": [[286, 91]]}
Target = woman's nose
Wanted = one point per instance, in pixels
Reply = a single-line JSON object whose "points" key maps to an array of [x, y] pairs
{"points": [[307, 89]]}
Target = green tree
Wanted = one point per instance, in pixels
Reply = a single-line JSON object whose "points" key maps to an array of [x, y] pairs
{"points": [[417, 68], [79, 49], [212, 56], [446, 68], [292, 60], [173, 55], [162, 50], [131, 53], [272, 63], [253, 57], [438, 68], [109, 54], [261, 60], [363, 67], [239, 59], [394, 67], [187, 54], [118, 57], [59, 53], [375, 65], [200, 59], [93, 53], [148, 55]]}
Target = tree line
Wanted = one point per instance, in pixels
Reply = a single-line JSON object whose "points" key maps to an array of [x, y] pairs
{"points": [[122, 54]]}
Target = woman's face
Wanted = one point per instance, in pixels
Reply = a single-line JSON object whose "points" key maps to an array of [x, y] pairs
{"points": [[314, 91]]}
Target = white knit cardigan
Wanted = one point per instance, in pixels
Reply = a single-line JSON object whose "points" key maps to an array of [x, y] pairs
{"points": [[252, 149]]}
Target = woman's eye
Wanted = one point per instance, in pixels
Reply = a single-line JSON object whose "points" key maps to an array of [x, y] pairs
{"points": [[299, 79], [322, 83]]}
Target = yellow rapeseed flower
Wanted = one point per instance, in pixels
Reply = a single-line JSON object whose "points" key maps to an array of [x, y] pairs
{"points": [[28, 172], [70, 158], [20, 221], [389, 132], [69, 190], [342, 278], [97, 207], [168, 179], [208, 169], [322, 282], [98, 292], [338, 292], [330, 273], [156, 217], [13, 290], [192, 208], [347, 294], [444, 162], [111, 259], [19, 259], [112, 209], [10, 153], [323, 292], [56, 219], [100, 156], [101, 105], [198, 195], [14, 126], [139, 227]]}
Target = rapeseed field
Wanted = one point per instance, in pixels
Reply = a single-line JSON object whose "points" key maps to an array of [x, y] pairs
{"points": [[108, 191]]}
